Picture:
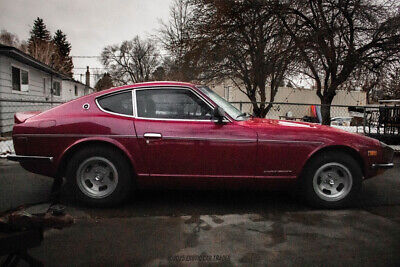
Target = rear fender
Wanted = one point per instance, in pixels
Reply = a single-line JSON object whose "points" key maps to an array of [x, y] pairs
{"points": [[21, 117], [60, 160]]}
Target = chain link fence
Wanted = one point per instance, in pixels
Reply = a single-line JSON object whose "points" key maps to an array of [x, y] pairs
{"points": [[349, 118]]}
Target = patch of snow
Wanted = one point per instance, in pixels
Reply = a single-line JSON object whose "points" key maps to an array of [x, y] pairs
{"points": [[396, 148], [6, 147]]}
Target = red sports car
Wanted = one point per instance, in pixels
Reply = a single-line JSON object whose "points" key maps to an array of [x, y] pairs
{"points": [[180, 134]]}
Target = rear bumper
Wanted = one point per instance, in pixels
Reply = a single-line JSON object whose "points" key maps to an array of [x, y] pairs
{"points": [[36, 164], [20, 158]]}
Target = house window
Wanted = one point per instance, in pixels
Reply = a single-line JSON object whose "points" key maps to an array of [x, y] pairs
{"points": [[56, 88], [76, 90], [44, 86], [20, 80], [227, 89]]}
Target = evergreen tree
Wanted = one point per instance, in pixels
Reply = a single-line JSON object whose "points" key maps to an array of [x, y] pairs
{"points": [[62, 60], [40, 45], [60, 40], [39, 31], [51, 51], [104, 83]]}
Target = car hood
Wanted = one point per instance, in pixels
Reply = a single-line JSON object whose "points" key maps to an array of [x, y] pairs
{"points": [[303, 131], [267, 123]]}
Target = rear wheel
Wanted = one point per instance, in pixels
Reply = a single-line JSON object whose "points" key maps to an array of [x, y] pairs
{"points": [[99, 176], [331, 180]]}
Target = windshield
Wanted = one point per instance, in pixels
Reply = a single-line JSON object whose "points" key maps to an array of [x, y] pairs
{"points": [[221, 102]]}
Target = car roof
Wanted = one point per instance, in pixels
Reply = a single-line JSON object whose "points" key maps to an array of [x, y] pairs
{"points": [[144, 84]]}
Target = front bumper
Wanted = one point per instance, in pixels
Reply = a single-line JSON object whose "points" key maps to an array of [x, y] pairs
{"points": [[20, 158], [383, 166]]}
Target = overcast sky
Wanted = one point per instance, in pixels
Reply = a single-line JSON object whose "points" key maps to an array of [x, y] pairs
{"points": [[89, 25]]}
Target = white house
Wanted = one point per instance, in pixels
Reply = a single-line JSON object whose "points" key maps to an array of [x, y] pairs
{"points": [[292, 96], [28, 84]]}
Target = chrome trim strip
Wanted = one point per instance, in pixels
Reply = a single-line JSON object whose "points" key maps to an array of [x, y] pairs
{"points": [[146, 87], [110, 112], [134, 106], [134, 136], [290, 141], [383, 165], [161, 119], [209, 139], [26, 158], [75, 135]]}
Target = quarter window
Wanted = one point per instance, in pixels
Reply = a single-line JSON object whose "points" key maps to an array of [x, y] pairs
{"points": [[171, 104], [118, 103]]}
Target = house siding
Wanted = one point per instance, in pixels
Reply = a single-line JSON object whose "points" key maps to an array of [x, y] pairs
{"points": [[68, 90], [38, 96]]}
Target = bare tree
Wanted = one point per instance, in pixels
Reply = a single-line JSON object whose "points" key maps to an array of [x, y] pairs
{"points": [[44, 51], [335, 39], [11, 39], [175, 39], [244, 42], [388, 86], [131, 62]]}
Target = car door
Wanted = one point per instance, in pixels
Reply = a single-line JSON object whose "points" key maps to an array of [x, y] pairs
{"points": [[179, 138]]}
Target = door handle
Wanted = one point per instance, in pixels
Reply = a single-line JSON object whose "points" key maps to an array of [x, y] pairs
{"points": [[152, 135]]}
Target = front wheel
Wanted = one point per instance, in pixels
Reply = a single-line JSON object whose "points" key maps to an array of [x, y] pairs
{"points": [[99, 176], [332, 180]]}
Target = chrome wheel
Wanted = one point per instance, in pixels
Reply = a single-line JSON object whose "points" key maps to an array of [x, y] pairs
{"points": [[97, 177], [332, 181]]}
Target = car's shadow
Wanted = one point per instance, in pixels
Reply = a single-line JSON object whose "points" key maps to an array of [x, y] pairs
{"points": [[383, 190], [222, 202], [197, 202]]}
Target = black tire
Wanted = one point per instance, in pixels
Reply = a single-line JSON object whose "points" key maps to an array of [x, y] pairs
{"points": [[314, 197], [121, 188]]}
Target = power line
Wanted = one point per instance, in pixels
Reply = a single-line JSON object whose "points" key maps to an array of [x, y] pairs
{"points": [[92, 68], [82, 56], [85, 56], [91, 74]]}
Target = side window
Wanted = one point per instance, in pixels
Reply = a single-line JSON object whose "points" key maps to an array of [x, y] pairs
{"points": [[118, 103], [171, 104]]}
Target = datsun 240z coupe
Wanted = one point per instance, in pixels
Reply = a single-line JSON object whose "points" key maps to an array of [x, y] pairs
{"points": [[180, 134]]}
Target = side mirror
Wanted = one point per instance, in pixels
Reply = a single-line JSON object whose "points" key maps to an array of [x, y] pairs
{"points": [[219, 114]]}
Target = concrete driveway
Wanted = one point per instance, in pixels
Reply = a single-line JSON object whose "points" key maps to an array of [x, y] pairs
{"points": [[210, 228]]}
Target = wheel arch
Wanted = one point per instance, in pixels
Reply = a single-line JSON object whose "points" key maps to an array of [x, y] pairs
{"points": [[81, 144], [337, 148]]}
